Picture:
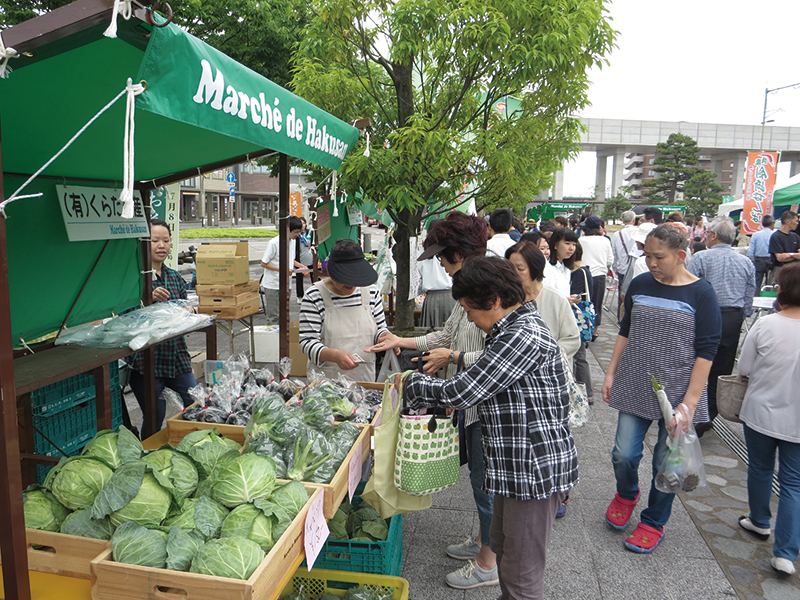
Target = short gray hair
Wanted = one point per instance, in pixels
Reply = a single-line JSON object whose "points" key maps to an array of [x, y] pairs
{"points": [[628, 216], [724, 228]]}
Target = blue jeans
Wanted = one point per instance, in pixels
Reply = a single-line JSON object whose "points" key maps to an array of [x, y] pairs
{"points": [[761, 455], [625, 457], [477, 471], [180, 384]]}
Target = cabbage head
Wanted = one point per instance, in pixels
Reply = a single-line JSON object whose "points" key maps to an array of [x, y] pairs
{"points": [[242, 479], [247, 521], [208, 448], [174, 471], [137, 545], [228, 557], [132, 494], [201, 514], [43, 510], [76, 481], [114, 447], [182, 547], [81, 523]]}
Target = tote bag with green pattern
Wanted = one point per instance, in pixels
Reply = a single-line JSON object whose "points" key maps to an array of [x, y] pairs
{"points": [[427, 454]]}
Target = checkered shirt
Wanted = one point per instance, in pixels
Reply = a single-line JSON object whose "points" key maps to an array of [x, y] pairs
{"points": [[520, 387]]}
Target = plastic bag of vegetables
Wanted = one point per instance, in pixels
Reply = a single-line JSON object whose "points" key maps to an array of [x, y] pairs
{"points": [[310, 451], [341, 441], [114, 447]]}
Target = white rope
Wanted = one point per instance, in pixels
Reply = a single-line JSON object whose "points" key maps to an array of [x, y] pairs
{"points": [[366, 150], [128, 149], [333, 194], [16, 196], [5, 54], [126, 9], [25, 345]]}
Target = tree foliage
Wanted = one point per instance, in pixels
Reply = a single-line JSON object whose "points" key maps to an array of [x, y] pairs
{"points": [[703, 194], [675, 163], [430, 75], [617, 204]]}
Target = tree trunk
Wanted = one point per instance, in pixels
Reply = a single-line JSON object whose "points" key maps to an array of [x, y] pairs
{"points": [[407, 227]]}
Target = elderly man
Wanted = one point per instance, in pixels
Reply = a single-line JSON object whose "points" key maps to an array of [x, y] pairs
{"points": [[758, 251], [733, 278], [624, 246]]}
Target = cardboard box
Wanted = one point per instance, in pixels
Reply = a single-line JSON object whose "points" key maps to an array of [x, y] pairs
{"points": [[231, 312], [198, 365], [223, 264], [267, 343], [227, 290], [228, 301]]}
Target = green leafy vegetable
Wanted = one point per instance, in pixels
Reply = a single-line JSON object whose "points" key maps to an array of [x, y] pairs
{"points": [[202, 514], [317, 413], [42, 509], [208, 448], [132, 495], [311, 450], [228, 557], [247, 521], [114, 447], [285, 502], [81, 523], [137, 545], [76, 481], [182, 546], [242, 479], [174, 471]]}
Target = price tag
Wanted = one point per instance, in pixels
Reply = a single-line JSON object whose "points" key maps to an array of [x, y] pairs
{"points": [[355, 472], [316, 530]]}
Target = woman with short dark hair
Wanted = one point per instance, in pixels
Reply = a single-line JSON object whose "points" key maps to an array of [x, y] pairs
{"points": [[771, 414], [519, 387]]}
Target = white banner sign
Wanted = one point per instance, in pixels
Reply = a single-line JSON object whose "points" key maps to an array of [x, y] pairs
{"points": [[94, 214]]}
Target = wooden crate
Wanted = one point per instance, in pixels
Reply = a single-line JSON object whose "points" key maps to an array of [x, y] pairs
{"points": [[177, 429], [212, 289], [231, 312], [61, 554], [228, 301], [119, 581]]}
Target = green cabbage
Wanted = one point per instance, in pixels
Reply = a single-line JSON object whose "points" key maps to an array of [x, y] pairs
{"points": [[137, 545], [247, 521], [174, 470], [228, 557], [81, 523], [285, 502], [77, 481], [114, 447], [208, 448], [132, 495], [242, 479], [182, 547], [202, 514], [43, 510]]}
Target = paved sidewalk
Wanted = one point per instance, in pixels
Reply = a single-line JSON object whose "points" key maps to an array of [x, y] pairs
{"points": [[704, 555]]}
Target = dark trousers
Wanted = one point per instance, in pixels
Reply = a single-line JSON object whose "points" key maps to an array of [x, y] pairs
{"points": [[598, 293], [180, 384], [763, 266], [726, 353]]}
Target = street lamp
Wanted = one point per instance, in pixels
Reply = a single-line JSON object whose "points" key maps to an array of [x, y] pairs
{"points": [[764, 115]]}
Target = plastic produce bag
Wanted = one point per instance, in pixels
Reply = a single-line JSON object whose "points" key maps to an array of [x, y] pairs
{"points": [[682, 469], [390, 366], [139, 328]]}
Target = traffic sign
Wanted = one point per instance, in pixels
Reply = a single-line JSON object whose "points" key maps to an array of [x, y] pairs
{"points": [[232, 191], [230, 177]]}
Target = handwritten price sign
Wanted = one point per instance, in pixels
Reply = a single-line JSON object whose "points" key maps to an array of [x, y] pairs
{"points": [[355, 472], [316, 530]]}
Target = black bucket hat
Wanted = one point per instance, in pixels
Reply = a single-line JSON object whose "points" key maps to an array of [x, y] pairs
{"points": [[349, 267]]}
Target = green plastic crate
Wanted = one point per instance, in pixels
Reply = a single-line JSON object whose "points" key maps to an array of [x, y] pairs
{"points": [[384, 558], [65, 394]]}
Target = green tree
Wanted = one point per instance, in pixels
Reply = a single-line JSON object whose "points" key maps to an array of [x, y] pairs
{"points": [[702, 194], [617, 204], [430, 74], [675, 163]]}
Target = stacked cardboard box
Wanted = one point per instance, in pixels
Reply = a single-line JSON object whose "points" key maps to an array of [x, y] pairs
{"points": [[224, 286]]}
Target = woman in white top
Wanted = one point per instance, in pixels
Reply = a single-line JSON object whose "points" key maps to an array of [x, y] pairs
{"points": [[771, 413], [598, 256], [558, 269]]}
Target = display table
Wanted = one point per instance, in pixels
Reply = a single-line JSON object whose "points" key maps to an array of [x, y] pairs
{"points": [[46, 586], [246, 321]]}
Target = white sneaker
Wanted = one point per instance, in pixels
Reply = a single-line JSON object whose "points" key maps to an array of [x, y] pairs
{"points": [[466, 550], [783, 565], [471, 576]]}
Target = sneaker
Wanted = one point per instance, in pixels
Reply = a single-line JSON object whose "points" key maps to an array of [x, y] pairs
{"points": [[466, 550], [471, 576], [783, 565], [562, 510], [760, 532], [620, 510], [644, 539]]}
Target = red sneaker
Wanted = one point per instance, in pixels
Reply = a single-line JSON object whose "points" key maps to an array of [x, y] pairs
{"points": [[620, 510], [644, 539]]}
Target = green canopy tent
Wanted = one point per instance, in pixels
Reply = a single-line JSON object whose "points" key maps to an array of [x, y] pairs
{"points": [[200, 111]]}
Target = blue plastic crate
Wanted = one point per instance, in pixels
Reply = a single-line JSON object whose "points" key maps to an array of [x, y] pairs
{"points": [[384, 558], [65, 394]]}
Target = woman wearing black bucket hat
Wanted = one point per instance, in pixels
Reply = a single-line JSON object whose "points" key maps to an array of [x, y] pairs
{"points": [[342, 315]]}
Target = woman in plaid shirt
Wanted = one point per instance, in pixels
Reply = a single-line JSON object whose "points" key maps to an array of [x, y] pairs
{"points": [[173, 366], [519, 385]]}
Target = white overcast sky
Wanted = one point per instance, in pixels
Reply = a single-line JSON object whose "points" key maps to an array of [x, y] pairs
{"points": [[706, 61]]}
